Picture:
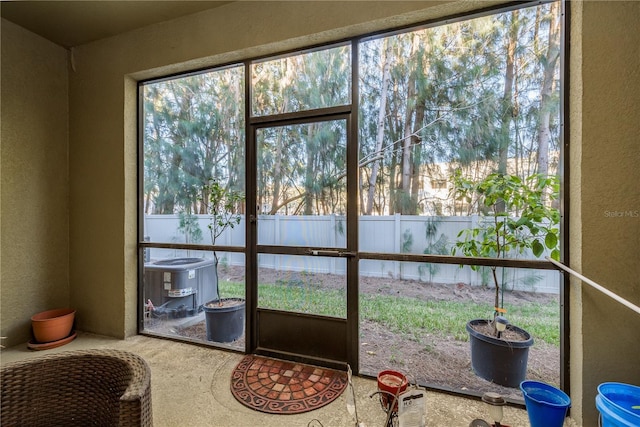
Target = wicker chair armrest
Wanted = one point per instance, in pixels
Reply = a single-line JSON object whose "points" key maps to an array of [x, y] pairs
{"points": [[90, 384], [135, 403]]}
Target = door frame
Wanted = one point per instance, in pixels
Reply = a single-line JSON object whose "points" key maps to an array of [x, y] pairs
{"points": [[276, 333]]}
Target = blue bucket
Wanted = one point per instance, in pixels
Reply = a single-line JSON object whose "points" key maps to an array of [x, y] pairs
{"points": [[619, 404], [546, 405]]}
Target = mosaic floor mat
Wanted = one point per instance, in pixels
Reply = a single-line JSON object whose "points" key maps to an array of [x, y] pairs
{"points": [[282, 387]]}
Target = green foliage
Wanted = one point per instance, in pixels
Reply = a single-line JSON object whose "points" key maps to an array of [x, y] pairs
{"points": [[193, 130], [518, 217], [521, 217], [435, 246], [442, 102], [222, 205], [232, 289], [188, 225], [407, 241], [340, 225]]}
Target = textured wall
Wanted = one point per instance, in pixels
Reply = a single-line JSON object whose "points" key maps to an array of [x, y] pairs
{"points": [[607, 196], [604, 154], [35, 209]]}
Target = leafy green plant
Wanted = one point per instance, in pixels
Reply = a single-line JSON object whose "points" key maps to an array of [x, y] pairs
{"points": [[407, 243], [516, 216], [435, 246], [222, 206], [188, 225]]}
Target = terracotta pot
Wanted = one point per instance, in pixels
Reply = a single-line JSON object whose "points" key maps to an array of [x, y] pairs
{"points": [[52, 325], [393, 383]]}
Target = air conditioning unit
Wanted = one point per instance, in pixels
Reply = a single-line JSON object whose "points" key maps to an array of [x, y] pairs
{"points": [[179, 287]]}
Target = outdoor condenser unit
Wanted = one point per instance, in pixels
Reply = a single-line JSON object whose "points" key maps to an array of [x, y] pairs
{"points": [[179, 285]]}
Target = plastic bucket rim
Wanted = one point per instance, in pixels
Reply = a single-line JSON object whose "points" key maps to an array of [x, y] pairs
{"points": [[611, 405], [547, 387], [603, 386], [612, 414], [602, 391]]}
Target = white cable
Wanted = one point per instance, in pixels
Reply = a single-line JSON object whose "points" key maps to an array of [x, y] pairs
{"points": [[595, 285]]}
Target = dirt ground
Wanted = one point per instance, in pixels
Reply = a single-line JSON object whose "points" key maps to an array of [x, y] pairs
{"points": [[429, 358]]}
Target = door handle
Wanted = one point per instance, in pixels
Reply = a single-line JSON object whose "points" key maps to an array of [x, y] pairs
{"points": [[334, 253]]}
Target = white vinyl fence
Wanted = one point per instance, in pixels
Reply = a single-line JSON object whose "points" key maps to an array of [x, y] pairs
{"points": [[387, 234]]}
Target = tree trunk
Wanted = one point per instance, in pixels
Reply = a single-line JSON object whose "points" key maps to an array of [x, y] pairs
{"points": [[507, 97], [405, 192], [215, 270], [310, 171], [550, 62], [382, 111], [416, 156], [393, 185], [361, 179], [277, 172]]}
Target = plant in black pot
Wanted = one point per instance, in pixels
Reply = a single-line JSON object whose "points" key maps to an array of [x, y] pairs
{"points": [[224, 317], [516, 217]]}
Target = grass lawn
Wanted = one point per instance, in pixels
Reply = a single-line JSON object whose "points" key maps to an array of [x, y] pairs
{"points": [[404, 315]]}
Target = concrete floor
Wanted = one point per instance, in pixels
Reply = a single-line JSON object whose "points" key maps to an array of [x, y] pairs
{"points": [[190, 387]]}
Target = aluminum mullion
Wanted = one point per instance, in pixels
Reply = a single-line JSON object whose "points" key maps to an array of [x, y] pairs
{"points": [[353, 263], [251, 233], [192, 247], [317, 115], [460, 260]]}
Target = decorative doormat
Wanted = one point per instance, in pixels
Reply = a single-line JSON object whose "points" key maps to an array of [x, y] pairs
{"points": [[281, 387]]}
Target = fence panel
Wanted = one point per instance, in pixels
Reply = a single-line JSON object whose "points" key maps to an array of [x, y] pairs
{"points": [[385, 234]]}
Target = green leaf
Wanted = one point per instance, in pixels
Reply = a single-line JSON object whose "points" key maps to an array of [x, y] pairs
{"points": [[537, 247], [551, 240]]}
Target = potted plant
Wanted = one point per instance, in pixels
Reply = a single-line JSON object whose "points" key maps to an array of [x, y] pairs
{"points": [[516, 215], [224, 317]]}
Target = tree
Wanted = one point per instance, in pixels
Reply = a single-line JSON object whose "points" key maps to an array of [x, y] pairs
{"points": [[194, 131], [301, 167], [382, 113], [547, 105], [479, 94], [223, 205], [517, 218]]}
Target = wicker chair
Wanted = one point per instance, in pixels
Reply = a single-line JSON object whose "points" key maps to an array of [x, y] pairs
{"points": [[77, 388]]}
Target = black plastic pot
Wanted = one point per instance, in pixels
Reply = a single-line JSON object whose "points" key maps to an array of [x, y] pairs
{"points": [[225, 323], [497, 360]]}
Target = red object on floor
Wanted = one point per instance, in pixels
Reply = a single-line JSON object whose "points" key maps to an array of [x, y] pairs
{"points": [[280, 387]]}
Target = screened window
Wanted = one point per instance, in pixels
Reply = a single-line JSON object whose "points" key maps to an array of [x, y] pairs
{"points": [[458, 133], [308, 81]]}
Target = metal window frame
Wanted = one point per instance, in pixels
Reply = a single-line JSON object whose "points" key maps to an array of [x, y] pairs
{"points": [[251, 248]]}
